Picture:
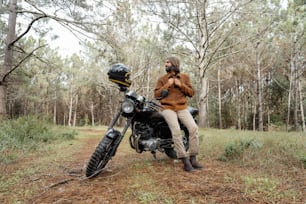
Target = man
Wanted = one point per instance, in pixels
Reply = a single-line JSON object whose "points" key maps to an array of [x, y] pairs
{"points": [[173, 89]]}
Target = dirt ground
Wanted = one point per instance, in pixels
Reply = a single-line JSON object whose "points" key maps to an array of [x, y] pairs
{"points": [[139, 178]]}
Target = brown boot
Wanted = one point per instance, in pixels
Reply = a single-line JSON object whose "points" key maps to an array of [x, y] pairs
{"points": [[195, 164], [187, 165]]}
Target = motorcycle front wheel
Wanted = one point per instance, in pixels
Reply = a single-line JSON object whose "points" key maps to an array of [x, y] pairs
{"points": [[102, 154], [170, 152]]}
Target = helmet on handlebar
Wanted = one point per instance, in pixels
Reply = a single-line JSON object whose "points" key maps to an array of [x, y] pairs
{"points": [[120, 75]]}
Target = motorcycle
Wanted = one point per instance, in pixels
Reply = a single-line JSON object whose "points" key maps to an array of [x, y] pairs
{"points": [[149, 130]]}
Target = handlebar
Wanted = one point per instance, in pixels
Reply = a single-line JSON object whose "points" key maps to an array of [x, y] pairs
{"points": [[153, 106]]}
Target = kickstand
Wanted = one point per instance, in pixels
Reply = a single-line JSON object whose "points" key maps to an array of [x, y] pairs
{"points": [[154, 154]]}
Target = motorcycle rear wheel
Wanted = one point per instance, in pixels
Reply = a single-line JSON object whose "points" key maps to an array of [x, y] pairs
{"points": [[170, 152], [100, 157]]}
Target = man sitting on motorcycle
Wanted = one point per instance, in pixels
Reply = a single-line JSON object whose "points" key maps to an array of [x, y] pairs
{"points": [[173, 89]]}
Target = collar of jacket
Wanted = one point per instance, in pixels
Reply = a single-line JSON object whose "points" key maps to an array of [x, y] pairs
{"points": [[173, 75]]}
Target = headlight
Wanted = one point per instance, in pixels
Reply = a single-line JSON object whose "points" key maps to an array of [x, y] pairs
{"points": [[127, 106]]}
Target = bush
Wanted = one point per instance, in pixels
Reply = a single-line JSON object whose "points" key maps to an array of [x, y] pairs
{"points": [[67, 135], [25, 130], [21, 135], [28, 132], [235, 150]]}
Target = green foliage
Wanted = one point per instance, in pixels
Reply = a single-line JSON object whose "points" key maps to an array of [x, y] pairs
{"points": [[302, 159], [270, 151], [235, 150], [27, 133], [68, 135], [24, 130]]}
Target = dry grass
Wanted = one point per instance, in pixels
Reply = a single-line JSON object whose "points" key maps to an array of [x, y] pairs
{"points": [[268, 173]]}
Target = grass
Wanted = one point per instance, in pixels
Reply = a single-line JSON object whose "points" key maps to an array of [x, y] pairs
{"points": [[275, 157], [272, 165], [254, 148], [28, 135], [150, 189], [41, 161], [28, 148], [25, 141], [267, 187]]}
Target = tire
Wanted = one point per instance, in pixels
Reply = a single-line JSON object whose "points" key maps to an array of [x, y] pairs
{"points": [[100, 157], [170, 152]]}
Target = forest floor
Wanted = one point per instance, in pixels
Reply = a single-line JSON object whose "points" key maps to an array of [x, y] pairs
{"points": [[139, 178]]}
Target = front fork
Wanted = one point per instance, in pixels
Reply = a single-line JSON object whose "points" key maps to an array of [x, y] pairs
{"points": [[114, 134]]}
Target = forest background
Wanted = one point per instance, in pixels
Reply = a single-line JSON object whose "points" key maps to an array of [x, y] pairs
{"points": [[246, 58]]}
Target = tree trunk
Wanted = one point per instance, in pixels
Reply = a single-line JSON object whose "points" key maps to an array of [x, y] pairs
{"points": [[111, 111], [92, 114], [238, 106], [148, 94], [259, 92], [295, 94], [293, 88], [302, 108], [75, 110], [289, 101], [202, 45], [207, 106], [54, 113], [8, 57], [2, 101], [269, 119], [254, 116], [70, 111], [219, 99], [203, 102], [54, 109]]}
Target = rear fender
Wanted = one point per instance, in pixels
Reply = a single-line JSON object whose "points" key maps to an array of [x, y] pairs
{"points": [[193, 111]]}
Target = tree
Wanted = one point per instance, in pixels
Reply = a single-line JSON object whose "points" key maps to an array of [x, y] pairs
{"points": [[292, 28], [201, 26], [246, 58], [8, 56], [74, 18]]}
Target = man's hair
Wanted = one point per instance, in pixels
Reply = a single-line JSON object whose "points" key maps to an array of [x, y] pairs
{"points": [[174, 61]]}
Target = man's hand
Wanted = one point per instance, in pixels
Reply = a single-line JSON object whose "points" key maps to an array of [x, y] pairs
{"points": [[170, 81], [177, 82]]}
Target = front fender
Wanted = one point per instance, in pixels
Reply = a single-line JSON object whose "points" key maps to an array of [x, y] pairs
{"points": [[113, 134]]}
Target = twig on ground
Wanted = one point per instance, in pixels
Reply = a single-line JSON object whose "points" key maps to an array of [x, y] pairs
{"points": [[60, 183]]}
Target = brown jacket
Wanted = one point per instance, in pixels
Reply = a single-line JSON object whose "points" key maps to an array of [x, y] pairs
{"points": [[177, 97]]}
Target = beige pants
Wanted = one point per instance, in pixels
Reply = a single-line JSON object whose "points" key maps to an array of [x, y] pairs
{"points": [[186, 118]]}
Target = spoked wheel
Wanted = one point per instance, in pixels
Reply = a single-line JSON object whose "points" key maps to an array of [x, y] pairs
{"points": [[102, 154], [170, 152]]}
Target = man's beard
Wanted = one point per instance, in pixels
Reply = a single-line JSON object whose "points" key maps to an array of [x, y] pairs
{"points": [[172, 68]]}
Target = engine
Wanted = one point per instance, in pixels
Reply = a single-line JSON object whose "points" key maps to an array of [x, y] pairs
{"points": [[143, 138]]}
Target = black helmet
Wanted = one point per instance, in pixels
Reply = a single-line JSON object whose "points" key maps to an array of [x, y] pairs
{"points": [[120, 75]]}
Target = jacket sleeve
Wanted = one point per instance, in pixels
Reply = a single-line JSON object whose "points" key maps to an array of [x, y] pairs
{"points": [[186, 87], [161, 85]]}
